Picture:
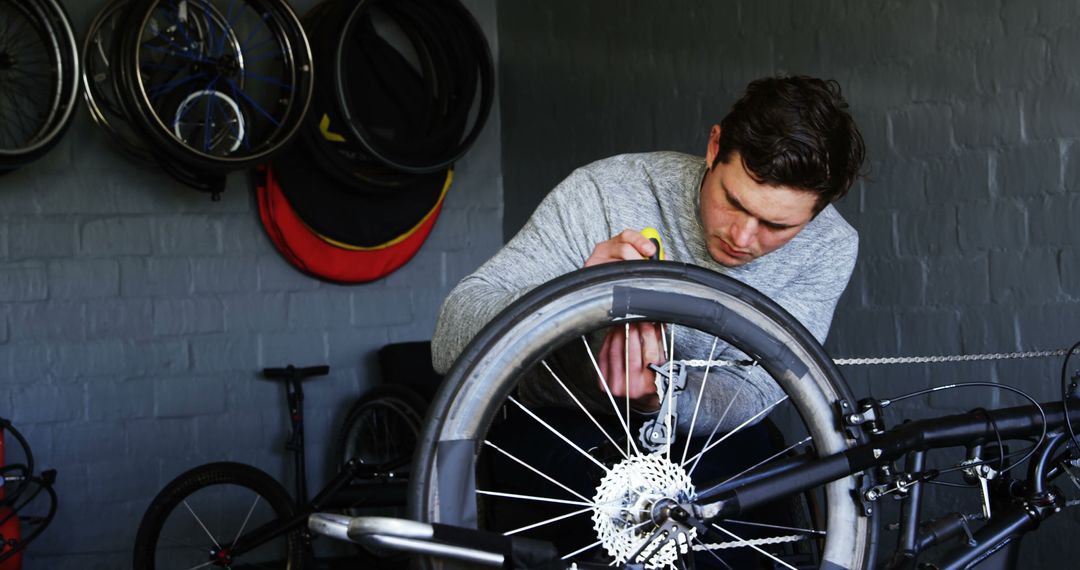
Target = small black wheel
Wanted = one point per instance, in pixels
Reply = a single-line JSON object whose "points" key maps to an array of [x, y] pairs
{"points": [[202, 517], [382, 426]]}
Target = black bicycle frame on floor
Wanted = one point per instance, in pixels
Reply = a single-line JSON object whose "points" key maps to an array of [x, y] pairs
{"points": [[1027, 506]]}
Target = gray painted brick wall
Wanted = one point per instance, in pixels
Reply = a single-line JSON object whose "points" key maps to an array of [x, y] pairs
{"points": [[971, 114], [135, 313]]}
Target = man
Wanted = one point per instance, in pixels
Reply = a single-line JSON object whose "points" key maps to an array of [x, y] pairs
{"points": [[757, 209]]}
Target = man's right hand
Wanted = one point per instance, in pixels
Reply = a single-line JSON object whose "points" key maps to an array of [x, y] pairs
{"points": [[627, 245]]}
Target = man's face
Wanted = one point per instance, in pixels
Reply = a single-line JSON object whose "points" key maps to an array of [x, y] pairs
{"points": [[745, 219]]}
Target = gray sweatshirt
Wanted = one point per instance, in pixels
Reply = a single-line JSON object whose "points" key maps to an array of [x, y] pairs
{"points": [[662, 190]]}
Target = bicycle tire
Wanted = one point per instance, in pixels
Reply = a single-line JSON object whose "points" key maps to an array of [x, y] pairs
{"points": [[233, 493], [382, 426], [49, 20], [575, 304]]}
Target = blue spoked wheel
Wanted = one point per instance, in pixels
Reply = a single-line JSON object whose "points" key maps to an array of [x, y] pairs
{"points": [[216, 85]]}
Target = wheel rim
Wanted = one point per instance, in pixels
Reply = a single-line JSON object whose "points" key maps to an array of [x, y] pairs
{"points": [[490, 378]]}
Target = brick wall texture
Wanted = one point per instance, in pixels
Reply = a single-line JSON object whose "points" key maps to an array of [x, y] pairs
{"points": [[135, 314], [971, 114]]}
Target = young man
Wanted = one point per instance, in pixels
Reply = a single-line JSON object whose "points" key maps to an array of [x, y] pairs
{"points": [[757, 208]]}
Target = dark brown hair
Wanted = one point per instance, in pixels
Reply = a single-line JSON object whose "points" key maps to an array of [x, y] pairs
{"points": [[797, 132]]}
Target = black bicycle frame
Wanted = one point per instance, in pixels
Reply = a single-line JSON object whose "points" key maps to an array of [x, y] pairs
{"points": [[913, 439]]}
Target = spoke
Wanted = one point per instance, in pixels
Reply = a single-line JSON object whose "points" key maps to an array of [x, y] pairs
{"points": [[160, 90], [535, 498], [270, 80], [697, 404], [198, 520], [706, 548], [207, 121], [537, 471], [626, 375], [599, 542], [268, 55], [559, 435], [582, 406], [548, 521], [768, 459], [739, 427], [246, 519], [203, 565], [719, 421], [607, 390], [755, 547], [670, 394], [251, 102], [778, 527], [228, 23]]}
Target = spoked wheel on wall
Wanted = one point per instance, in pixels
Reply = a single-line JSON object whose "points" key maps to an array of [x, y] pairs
{"points": [[202, 518], [213, 85], [585, 477], [39, 71]]}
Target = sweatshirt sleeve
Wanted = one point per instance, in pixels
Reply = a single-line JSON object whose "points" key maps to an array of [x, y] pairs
{"points": [[556, 240]]}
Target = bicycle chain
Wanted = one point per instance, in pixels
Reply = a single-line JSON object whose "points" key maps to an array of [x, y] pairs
{"points": [[750, 542], [872, 361]]}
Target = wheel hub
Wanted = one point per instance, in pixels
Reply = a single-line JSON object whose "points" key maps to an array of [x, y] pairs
{"points": [[627, 498], [221, 557], [6, 61]]}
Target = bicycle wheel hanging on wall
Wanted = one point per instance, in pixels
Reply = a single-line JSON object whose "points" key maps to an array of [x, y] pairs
{"points": [[212, 86], [405, 87], [39, 78]]}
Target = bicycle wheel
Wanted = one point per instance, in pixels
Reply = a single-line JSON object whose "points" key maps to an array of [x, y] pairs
{"points": [[382, 426], [39, 74], [99, 88], [450, 86], [198, 520], [217, 85], [526, 348]]}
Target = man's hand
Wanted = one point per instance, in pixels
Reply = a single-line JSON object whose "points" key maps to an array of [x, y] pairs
{"points": [[627, 245], [644, 347]]}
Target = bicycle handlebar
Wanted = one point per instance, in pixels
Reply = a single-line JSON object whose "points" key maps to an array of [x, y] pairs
{"points": [[291, 372], [472, 546]]}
